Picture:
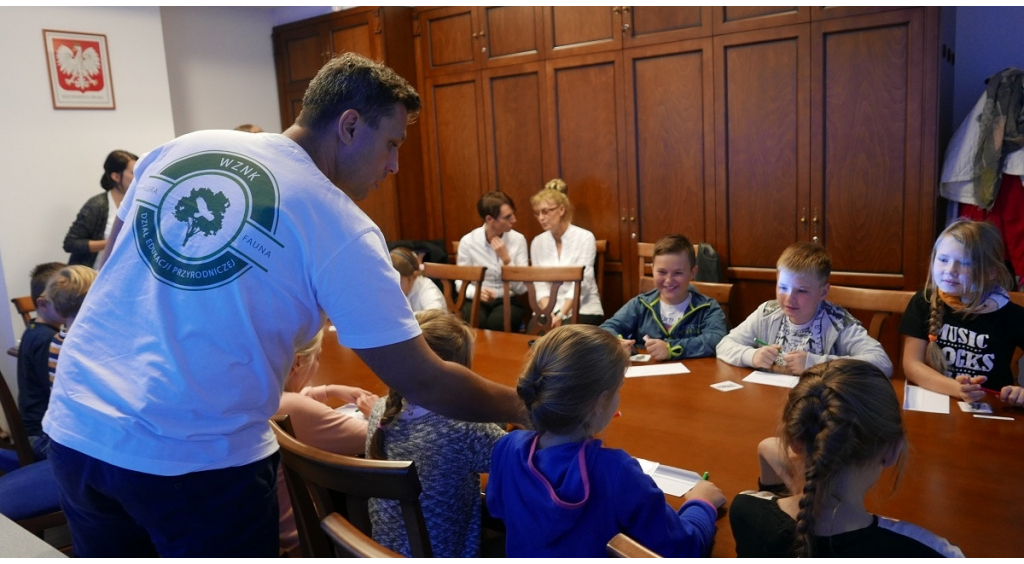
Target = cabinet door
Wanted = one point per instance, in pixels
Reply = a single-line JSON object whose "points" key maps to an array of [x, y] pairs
{"points": [[647, 25], [516, 117], [576, 30], [453, 120], [866, 125], [301, 53], [358, 33], [762, 121], [732, 19], [670, 133], [587, 136], [451, 40], [510, 35]]}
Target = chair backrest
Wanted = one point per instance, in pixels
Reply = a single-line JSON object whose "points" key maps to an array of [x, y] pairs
{"points": [[24, 306], [449, 273], [645, 258], [321, 483], [882, 303], [351, 542], [721, 292], [602, 251], [530, 275], [453, 251], [18, 442], [622, 546], [1017, 298]]}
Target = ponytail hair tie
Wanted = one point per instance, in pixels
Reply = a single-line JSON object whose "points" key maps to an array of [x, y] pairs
{"points": [[933, 338], [528, 392]]}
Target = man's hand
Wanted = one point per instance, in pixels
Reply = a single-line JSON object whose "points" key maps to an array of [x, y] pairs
{"points": [[499, 247]]}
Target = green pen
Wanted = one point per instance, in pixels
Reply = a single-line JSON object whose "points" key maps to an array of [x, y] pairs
{"points": [[706, 476], [762, 343]]}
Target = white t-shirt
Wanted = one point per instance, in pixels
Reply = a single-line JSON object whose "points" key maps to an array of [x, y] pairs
{"points": [[578, 248], [233, 247]]}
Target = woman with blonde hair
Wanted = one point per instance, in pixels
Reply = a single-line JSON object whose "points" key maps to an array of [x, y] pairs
{"points": [[564, 244]]}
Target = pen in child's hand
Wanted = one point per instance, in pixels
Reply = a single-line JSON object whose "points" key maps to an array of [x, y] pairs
{"points": [[992, 392], [706, 476], [762, 343]]}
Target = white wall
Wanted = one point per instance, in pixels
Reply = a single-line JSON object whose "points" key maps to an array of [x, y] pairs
{"points": [[51, 159], [220, 65]]}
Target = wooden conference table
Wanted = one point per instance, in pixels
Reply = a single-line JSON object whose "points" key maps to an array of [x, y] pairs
{"points": [[961, 479]]}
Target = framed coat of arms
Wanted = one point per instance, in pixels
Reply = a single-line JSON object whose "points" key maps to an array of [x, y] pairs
{"points": [[79, 70]]}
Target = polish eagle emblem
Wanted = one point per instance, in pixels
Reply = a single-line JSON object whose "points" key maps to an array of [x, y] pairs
{"points": [[78, 67]]}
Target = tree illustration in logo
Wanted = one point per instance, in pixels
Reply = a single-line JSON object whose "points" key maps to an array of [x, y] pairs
{"points": [[203, 211]]}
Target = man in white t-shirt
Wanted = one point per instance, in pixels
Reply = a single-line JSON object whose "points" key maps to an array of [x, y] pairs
{"points": [[228, 251]]}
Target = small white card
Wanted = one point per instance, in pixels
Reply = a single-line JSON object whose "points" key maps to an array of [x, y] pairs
{"points": [[772, 379], [673, 481], [993, 417], [656, 370], [726, 386], [976, 407], [640, 358], [916, 398]]}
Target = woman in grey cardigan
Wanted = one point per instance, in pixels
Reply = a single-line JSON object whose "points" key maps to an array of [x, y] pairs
{"points": [[87, 236]]}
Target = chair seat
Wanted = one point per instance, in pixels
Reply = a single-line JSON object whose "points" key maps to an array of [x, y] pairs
{"points": [[29, 492]]}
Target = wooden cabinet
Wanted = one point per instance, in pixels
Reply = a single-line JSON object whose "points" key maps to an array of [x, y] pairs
{"points": [[382, 34], [465, 38], [746, 127]]}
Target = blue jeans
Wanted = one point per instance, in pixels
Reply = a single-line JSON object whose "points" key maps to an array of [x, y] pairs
{"points": [[115, 512]]}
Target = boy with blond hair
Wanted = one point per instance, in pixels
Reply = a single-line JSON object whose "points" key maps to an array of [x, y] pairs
{"points": [[67, 292], [799, 329]]}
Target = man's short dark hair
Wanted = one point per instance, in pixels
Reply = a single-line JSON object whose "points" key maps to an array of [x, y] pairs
{"points": [[491, 202], [353, 82]]}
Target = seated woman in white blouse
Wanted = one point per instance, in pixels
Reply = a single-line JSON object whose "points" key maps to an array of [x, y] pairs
{"points": [[494, 244], [564, 244], [421, 292]]}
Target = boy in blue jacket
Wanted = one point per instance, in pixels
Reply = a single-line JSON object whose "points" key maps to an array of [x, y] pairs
{"points": [[672, 321]]}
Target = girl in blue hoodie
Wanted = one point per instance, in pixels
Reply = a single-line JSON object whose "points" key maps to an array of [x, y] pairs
{"points": [[559, 492]]}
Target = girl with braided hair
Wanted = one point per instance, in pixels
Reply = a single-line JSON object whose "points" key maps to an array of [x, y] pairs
{"points": [[841, 427], [962, 330], [560, 493], [449, 455]]}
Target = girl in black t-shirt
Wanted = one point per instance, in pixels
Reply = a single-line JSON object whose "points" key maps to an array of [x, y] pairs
{"points": [[962, 330]]}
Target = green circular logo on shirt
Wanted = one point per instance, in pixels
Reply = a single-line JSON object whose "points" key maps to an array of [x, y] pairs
{"points": [[211, 218]]}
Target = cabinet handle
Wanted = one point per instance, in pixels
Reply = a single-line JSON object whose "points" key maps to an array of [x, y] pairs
{"points": [[803, 215], [623, 215], [815, 238], [632, 235], [632, 215], [625, 28], [616, 9], [475, 35], [483, 33]]}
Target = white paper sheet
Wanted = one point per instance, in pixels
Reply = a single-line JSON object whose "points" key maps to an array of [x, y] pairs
{"points": [[351, 410], [772, 379], [673, 481], [916, 398], [656, 370]]}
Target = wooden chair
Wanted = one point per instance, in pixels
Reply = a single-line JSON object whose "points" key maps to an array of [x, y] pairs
{"points": [[721, 292], [555, 275], [602, 251], [351, 542], [622, 546], [321, 483], [15, 451], [1017, 298], [453, 252], [447, 274], [24, 306], [882, 303], [28, 491]]}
